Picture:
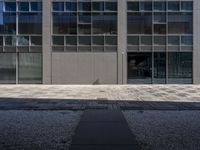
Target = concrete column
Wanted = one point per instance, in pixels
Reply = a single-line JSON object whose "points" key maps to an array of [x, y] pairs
{"points": [[196, 39], [46, 41], [122, 42]]}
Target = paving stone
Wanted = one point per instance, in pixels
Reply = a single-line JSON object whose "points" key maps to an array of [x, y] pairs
{"points": [[104, 147]]}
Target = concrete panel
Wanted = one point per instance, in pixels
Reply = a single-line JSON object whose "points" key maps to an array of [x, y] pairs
{"points": [[84, 68]]}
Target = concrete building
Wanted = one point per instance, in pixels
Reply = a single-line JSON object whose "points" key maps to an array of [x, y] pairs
{"points": [[99, 41]]}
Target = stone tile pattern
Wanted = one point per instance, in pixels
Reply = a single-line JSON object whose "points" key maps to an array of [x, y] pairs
{"points": [[103, 129]]}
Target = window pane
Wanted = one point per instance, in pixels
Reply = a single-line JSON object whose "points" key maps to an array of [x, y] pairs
{"points": [[23, 40], [173, 40], [139, 23], [10, 6], [30, 23], [84, 6], [186, 40], [71, 40], [180, 67], [160, 40], [10, 40], [84, 40], [159, 17], [84, 28], [159, 68], [71, 6], [7, 23], [173, 6], [84, 17], [98, 40], [160, 6], [58, 40], [1, 6], [36, 6], [64, 23], [146, 40], [160, 29], [58, 6], [110, 6], [1, 40], [98, 6], [30, 68], [187, 5], [23, 6], [139, 67], [146, 6], [110, 40], [133, 6], [133, 40], [7, 68], [36, 40]]}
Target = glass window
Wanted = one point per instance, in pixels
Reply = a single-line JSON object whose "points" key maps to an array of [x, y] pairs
{"points": [[140, 68], [98, 6], [180, 67], [160, 6], [98, 40], [71, 40], [84, 28], [84, 40], [133, 40], [133, 6], [1, 6], [30, 68], [58, 40], [36, 40], [160, 40], [173, 6], [139, 23], [36, 6], [30, 23], [110, 6], [8, 23], [104, 23], [23, 40], [71, 6], [64, 23], [58, 6], [146, 6], [159, 68], [10, 40], [84, 17], [8, 68], [23, 6], [173, 40], [187, 6], [160, 28], [186, 40], [1, 40], [84, 6], [159, 17], [146, 40], [10, 6], [110, 40]]}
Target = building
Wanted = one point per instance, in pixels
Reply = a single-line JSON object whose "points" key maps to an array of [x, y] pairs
{"points": [[99, 41]]}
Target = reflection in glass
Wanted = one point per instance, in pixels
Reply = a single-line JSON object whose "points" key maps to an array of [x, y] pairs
{"points": [[160, 28], [180, 67], [71, 6], [110, 6], [58, 40], [98, 40], [10, 6], [36, 40], [140, 68], [84, 6], [146, 40], [160, 40], [133, 6], [23, 6], [30, 68], [84, 40], [23, 40], [186, 40], [133, 40], [173, 6], [10, 40], [36, 6], [159, 68], [146, 6], [186, 6], [58, 6], [173, 40], [8, 23], [98, 6], [8, 68], [160, 6], [110, 40]]}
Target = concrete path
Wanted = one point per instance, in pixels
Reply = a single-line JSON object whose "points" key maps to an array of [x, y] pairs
{"points": [[103, 130]]}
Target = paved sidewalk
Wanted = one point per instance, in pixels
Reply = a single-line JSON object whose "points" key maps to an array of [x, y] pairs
{"points": [[103, 130]]}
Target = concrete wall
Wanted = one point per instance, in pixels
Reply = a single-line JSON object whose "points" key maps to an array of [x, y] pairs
{"points": [[84, 68]]}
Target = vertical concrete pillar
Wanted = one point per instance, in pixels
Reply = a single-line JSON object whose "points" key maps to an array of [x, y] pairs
{"points": [[46, 41], [122, 42], [196, 41]]}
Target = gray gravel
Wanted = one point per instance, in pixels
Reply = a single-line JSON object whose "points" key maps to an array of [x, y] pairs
{"points": [[165, 130], [37, 130]]}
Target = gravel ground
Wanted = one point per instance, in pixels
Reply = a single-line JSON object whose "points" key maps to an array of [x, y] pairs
{"points": [[165, 130], [37, 130]]}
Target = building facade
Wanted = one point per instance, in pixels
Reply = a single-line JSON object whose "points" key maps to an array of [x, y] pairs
{"points": [[99, 41]]}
